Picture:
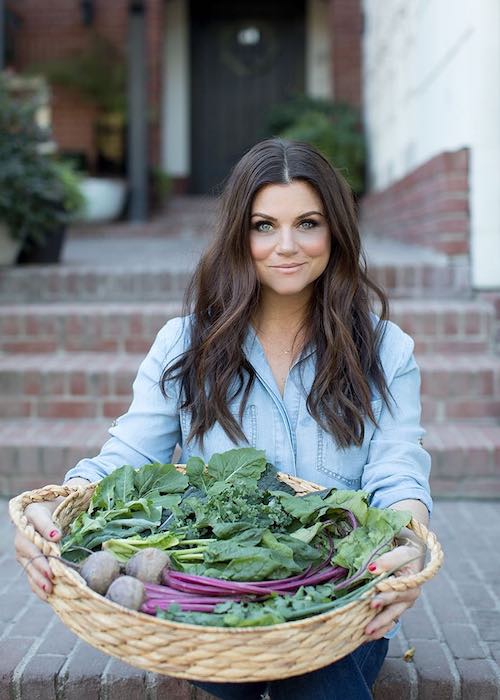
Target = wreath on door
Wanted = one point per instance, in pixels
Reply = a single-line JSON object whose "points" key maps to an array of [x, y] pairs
{"points": [[248, 47]]}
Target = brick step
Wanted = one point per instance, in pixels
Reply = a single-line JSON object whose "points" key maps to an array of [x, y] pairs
{"points": [[445, 325], [76, 385], [158, 282], [51, 283], [94, 385], [35, 452], [465, 460], [95, 327], [460, 388], [436, 326]]}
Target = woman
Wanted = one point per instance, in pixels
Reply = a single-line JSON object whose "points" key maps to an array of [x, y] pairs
{"points": [[282, 352]]}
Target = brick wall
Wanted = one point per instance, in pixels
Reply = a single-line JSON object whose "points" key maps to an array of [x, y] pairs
{"points": [[346, 23], [430, 206], [55, 29]]}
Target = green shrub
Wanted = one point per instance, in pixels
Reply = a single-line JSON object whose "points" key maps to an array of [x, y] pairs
{"points": [[333, 128], [38, 194]]}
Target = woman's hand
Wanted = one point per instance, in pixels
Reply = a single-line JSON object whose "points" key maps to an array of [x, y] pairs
{"points": [[28, 555], [392, 604]]}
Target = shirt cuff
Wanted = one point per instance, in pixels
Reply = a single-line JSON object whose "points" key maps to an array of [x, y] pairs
{"points": [[393, 632]]}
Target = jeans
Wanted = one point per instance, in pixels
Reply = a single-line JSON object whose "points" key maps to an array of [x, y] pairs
{"points": [[349, 678]]}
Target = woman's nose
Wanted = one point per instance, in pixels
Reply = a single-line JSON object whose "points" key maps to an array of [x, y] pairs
{"points": [[286, 241]]}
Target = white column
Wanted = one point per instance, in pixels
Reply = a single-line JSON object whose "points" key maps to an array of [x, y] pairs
{"points": [[176, 107], [318, 41]]}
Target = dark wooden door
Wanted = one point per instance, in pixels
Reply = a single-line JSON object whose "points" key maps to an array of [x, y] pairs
{"points": [[245, 57]]}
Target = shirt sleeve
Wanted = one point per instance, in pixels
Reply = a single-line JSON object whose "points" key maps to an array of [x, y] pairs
{"points": [[150, 429], [398, 466]]}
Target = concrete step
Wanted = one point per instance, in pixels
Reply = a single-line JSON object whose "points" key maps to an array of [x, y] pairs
{"points": [[160, 281], [95, 385], [436, 326], [37, 451], [453, 629]]}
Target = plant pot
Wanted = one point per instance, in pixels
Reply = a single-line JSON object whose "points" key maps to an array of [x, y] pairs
{"points": [[110, 139], [44, 253], [104, 199], [9, 247]]}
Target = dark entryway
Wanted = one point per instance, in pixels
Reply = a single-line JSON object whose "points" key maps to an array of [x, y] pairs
{"points": [[245, 57]]}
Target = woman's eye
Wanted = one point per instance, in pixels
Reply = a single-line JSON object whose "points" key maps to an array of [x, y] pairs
{"points": [[310, 224], [309, 221], [262, 223]]}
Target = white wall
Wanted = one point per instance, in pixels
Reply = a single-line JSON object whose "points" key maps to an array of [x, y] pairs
{"points": [[431, 83]]}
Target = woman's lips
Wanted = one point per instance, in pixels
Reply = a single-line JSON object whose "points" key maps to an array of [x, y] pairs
{"points": [[287, 268]]}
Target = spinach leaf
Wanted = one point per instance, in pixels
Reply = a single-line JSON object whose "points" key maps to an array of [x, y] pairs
{"points": [[381, 525], [197, 474], [235, 466], [160, 478]]}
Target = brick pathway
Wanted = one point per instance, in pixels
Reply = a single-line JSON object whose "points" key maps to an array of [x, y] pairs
{"points": [[454, 628]]}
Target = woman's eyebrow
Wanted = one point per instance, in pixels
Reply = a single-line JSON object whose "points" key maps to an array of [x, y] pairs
{"points": [[300, 216]]}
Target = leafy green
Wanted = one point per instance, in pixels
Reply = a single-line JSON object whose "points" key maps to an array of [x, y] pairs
{"points": [[381, 525], [235, 466], [276, 609], [238, 466], [309, 508], [123, 549], [126, 503]]}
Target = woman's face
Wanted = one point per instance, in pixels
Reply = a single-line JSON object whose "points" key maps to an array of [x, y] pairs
{"points": [[290, 241]]}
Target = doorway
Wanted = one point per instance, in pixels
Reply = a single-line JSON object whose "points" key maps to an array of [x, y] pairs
{"points": [[245, 57]]}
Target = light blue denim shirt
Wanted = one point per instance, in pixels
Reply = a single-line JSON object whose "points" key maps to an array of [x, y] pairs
{"points": [[391, 464]]}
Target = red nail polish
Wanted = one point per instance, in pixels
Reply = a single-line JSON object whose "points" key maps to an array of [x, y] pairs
{"points": [[372, 567], [44, 588], [53, 533]]}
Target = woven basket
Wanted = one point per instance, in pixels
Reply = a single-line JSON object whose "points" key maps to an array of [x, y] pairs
{"points": [[197, 652]]}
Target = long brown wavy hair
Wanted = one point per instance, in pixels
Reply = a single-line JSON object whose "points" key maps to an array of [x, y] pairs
{"points": [[225, 291]]}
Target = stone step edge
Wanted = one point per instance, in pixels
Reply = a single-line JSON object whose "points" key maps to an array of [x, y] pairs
{"points": [[42, 431], [88, 362], [59, 307]]}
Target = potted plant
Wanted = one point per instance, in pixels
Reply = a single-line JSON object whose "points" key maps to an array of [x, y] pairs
{"points": [[98, 74], [38, 195]]}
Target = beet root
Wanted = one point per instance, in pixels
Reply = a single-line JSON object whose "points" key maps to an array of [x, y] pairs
{"points": [[147, 565], [99, 570], [127, 591]]}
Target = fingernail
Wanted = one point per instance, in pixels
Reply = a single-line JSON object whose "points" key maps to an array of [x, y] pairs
{"points": [[372, 567], [44, 588], [53, 533]]}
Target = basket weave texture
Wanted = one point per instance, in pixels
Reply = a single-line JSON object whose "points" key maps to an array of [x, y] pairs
{"points": [[205, 653]]}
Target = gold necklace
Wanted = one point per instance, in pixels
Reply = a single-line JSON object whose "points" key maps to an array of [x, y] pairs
{"points": [[263, 338]]}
